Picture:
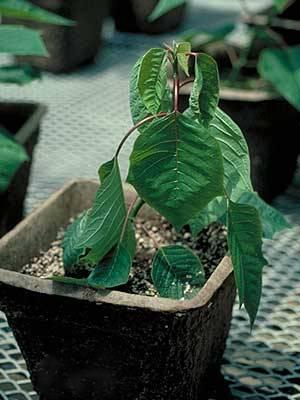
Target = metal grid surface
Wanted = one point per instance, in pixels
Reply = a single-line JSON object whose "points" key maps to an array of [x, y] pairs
{"points": [[88, 114]]}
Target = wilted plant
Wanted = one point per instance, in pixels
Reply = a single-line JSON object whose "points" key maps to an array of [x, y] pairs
{"points": [[193, 168]]}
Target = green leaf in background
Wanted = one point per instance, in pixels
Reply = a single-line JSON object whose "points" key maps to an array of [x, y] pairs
{"points": [[176, 166], [206, 104], [245, 245], [104, 221], [163, 7], [19, 40], [114, 269], [280, 5], [71, 254], [177, 272], [12, 156], [152, 79], [213, 212], [18, 74], [281, 67], [272, 220], [205, 38], [235, 155], [183, 58], [25, 10], [137, 106]]}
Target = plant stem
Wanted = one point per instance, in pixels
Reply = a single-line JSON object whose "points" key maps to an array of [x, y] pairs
{"points": [[176, 84], [136, 207], [135, 127]]}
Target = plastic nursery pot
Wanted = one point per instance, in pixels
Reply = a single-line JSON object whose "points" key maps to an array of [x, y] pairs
{"points": [[84, 344], [132, 16], [68, 46], [270, 126], [23, 120]]}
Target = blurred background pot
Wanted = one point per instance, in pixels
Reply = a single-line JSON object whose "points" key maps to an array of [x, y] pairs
{"points": [[23, 121], [68, 46], [132, 16]]}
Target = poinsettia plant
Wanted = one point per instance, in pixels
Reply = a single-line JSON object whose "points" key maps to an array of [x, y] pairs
{"points": [[18, 40], [193, 168]]}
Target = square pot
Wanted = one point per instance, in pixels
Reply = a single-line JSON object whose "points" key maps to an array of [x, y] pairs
{"points": [[81, 344], [23, 121], [68, 46], [132, 16]]}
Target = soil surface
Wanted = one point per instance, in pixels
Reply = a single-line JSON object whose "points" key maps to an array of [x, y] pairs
{"points": [[210, 245]]}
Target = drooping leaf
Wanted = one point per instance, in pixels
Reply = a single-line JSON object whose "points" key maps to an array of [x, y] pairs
{"points": [[19, 40], [152, 79], [176, 166], [69, 280], [205, 105], [280, 5], [137, 106], [235, 154], [200, 39], [71, 254], [213, 212], [163, 7], [18, 74], [25, 10], [272, 220], [182, 51], [245, 245], [114, 269], [281, 67], [177, 272], [12, 156], [104, 221]]}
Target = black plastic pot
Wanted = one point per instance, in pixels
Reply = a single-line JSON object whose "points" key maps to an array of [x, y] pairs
{"points": [[132, 16], [271, 128], [23, 120], [68, 46], [82, 344]]}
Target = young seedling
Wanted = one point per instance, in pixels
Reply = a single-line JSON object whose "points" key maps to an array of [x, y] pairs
{"points": [[193, 168]]}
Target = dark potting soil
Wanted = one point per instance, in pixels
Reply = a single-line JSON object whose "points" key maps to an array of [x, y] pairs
{"points": [[210, 245]]}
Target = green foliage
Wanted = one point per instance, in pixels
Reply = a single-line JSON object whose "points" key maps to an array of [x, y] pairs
{"points": [[281, 67], [245, 245], [18, 74], [163, 7], [25, 10], [193, 168], [176, 167], [177, 272], [12, 156], [280, 5], [201, 39]]}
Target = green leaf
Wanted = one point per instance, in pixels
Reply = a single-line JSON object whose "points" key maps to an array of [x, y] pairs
{"points": [[183, 58], [176, 167], [25, 10], [152, 79], [204, 38], [177, 272], [272, 220], [69, 281], [163, 7], [12, 156], [194, 100], [71, 254], [114, 269], [235, 155], [281, 67], [213, 212], [104, 221], [245, 245], [205, 99], [19, 40], [280, 5], [18, 74]]}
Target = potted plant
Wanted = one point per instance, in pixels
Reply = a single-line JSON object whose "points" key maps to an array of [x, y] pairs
{"points": [[89, 328], [148, 16], [70, 44], [268, 95], [19, 122]]}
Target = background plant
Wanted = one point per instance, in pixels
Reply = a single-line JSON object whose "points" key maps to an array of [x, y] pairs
{"points": [[18, 40], [193, 168]]}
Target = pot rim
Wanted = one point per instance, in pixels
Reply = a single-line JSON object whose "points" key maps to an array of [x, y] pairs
{"points": [[16, 279]]}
